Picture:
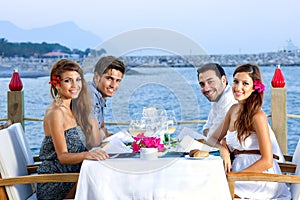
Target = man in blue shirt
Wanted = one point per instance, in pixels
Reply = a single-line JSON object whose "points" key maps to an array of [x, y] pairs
{"points": [[108, 74]]}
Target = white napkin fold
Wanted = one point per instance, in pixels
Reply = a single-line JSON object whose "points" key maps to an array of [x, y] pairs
{"points": [[116, 146], [188, 143], [123, 135], [189, 132]]}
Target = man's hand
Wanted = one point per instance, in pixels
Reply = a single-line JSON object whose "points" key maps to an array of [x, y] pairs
{"points": [[205, 132]]}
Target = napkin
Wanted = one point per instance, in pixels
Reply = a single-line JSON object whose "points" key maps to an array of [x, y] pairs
{"points": [[116, 145], [123, 135], [189, 132], [188, 143]]}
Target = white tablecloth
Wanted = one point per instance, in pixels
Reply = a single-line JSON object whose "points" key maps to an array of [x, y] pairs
{"points": [[164, 178]]}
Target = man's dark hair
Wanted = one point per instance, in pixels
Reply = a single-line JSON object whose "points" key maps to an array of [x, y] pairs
{"points": [[109, 62], [218, 69]]}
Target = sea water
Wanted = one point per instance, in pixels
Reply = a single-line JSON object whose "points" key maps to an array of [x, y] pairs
{"points": [[171, 88]]}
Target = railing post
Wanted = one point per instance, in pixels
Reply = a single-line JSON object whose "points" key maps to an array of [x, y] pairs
{"points": [[15, 106], [278, 117], [278, 109]]}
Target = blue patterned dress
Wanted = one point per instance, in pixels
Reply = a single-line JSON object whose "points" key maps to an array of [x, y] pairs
{"points": [[76, 143]]}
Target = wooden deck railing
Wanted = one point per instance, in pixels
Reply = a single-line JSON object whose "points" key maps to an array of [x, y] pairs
{"points": [[278, 114]]}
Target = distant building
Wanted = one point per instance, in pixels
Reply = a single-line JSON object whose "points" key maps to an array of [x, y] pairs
{"points": [[56, 55], [60, 55], [289, 47]]}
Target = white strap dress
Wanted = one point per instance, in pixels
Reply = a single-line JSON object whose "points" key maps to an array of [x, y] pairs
{"points": [[254, 189]]}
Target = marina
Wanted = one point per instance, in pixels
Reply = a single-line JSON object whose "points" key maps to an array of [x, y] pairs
{"points": [[162, 43], [171, 87], [37, 67], [175, 88], [179, 93]]}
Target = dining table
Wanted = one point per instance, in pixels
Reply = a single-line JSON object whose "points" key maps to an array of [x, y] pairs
{"points": [[174, 175]]}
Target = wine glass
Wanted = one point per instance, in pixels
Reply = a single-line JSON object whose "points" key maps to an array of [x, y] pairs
{"points": [[172, 125], [137, 124], [156, 123]]}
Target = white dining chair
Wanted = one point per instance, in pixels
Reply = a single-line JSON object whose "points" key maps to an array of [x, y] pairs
{"points": [[294, 179], [13, 171], [17, 131], [13, 164], [295, 188]]}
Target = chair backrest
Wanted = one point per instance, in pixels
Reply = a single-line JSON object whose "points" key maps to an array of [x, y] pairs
{"points": [[13, 162], [295, 188], [275, 146], [17, 130]]}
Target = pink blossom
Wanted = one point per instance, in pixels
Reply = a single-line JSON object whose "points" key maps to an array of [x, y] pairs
{"points": [[259, 86], [146, 142], [135, 147], [160, 147], [139, 136]]}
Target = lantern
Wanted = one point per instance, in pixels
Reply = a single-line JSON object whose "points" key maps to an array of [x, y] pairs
{"points": [[278, 79], [15, 83]]}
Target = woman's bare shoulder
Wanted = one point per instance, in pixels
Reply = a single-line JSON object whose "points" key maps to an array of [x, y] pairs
{"points": [[260, 115], [54, 112], [260, 119], [233, 108], [53, 119]]}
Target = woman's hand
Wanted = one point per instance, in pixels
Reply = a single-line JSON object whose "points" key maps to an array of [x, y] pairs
{"points": [[226, 158], [96, 154]]}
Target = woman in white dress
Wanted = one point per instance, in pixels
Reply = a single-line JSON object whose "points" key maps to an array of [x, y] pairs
{"points": [[247, 134]]}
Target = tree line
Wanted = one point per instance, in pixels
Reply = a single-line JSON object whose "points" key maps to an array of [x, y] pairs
{"points": [[29, 49]]}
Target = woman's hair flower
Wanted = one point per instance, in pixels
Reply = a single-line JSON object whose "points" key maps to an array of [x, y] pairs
{"points": [[259, 86], [55, 80], [142, 141]]}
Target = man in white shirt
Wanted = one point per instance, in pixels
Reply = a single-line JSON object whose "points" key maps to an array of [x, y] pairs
{"points": [[214, 86]]}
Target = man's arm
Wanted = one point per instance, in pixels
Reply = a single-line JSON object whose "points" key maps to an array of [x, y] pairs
{"points": [[208, 124]]}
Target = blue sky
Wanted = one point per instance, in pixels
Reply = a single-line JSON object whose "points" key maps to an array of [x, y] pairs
{"points": [[219, 26]]}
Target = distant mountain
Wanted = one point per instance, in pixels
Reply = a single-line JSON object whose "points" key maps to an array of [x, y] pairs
{"points": [[66, 33]]}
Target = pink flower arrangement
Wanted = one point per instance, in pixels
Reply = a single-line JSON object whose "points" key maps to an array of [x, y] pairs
{"points": [[259, 86], [142, 141]]}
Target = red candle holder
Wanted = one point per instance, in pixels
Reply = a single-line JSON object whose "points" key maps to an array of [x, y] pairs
{"points": [[15, 83], [278, 79]]}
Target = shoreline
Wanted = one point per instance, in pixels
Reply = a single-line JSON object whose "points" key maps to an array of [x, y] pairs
{"points": [[24, 74], [6, 72]]}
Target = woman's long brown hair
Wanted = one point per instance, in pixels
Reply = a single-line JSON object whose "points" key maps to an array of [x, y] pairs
{"points": [[81, 106], [244, 121]]}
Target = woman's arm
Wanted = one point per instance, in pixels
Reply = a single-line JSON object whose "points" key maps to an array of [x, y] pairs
{"points": [[221, 131], [55, 127], [260, 124], [217, 137], [97, 136]]}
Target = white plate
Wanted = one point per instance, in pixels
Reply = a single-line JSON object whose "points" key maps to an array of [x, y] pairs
{"points": [[213, 149], [194, 158]]}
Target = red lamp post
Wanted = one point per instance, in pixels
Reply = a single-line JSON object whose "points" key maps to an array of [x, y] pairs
{"points": [[278, 79], [278, 109], [15, 83], [15, 99]]}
